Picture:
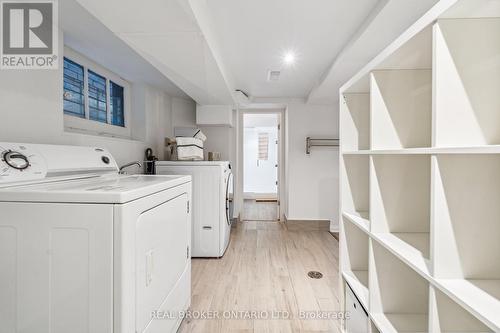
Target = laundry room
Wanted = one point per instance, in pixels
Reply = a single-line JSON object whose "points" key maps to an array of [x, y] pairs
{"points": [[249, 166]]}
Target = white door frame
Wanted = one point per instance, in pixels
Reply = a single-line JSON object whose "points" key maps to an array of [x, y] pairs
{"points": [[280, 110]]}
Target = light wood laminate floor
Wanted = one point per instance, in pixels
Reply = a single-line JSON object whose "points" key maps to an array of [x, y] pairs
{"points": [[259, 210], [265, 269]]}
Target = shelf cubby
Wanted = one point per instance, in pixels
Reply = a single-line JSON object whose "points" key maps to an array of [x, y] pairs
{"points": [[355, 185], [355, 117], [466, 205], [449, 317], [401, 109], [416, 53], [400, 202], [355, 262], [467, 229], [467, 82], [399, 297]]}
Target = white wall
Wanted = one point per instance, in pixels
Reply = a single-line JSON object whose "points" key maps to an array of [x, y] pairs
{"points": [[260, 176], [183, 113], [219, 139], [313, 179], [31, 111], [223, 139]]}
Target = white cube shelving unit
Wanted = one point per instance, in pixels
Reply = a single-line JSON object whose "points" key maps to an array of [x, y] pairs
{"points": [[420, 175]]}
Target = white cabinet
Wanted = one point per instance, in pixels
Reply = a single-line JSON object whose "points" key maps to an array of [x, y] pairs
{"points": [[358, 318], [220, 115]]}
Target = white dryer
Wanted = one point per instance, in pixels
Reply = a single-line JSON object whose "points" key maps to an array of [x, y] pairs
{"points": [[84, 249], [213, 190]]}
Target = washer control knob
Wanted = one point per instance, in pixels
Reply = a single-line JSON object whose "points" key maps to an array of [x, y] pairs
{"points": [[16, 160]]}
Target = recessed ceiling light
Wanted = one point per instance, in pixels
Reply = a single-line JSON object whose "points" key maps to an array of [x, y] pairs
{"points": [[289, 58]]}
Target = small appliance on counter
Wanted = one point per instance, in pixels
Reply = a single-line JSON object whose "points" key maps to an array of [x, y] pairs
{"points": [[149, 162]]}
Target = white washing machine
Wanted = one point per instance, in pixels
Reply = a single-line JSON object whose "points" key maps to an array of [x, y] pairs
{"points": [[213, 190], [84, 249]]}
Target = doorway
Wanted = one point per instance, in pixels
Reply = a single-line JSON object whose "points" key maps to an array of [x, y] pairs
{"points": [[261, 166]]}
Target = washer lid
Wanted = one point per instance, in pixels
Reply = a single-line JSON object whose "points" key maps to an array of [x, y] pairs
{"points": [[97, 189]]}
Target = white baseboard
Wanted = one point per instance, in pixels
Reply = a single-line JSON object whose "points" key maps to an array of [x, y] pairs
{"points": [[295, 218], [334, 227], [255, 196]]}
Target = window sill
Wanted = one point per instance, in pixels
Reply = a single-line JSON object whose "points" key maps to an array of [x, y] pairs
{"points": [[95, 128], [76, 132]]}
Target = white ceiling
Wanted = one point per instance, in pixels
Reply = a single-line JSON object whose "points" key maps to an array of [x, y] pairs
{"points": [[209, 48], [253, 35], [387, 21], [87, 35], [168, 34]]}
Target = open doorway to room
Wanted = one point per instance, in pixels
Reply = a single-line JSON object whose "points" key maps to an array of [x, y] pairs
{"points": [[261, 166]]}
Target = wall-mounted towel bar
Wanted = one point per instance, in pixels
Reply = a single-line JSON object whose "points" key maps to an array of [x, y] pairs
{"points": [[310, 142]]}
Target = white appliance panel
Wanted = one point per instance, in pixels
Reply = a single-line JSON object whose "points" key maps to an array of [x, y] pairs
{"points": [[131, 261], [176, 302], [206, 211], [225, 223], [31, 164], [161, 255], [22, 162], [61, 267], [208, 206]]}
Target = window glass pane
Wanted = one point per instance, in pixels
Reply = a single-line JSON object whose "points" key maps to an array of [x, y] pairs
{"points": [[116, 104], [73, 95], [97, 97], [263, 151]]}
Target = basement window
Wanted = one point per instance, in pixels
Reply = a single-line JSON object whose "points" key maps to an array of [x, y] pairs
{"points": [[74, 101], [98, 97], [96, 101]]}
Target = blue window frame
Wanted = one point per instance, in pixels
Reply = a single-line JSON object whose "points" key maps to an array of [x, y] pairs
{"points": [[116, 104], [98, 105], [74, 90], [100, 108]]}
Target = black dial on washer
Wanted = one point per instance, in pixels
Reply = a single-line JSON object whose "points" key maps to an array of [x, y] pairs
{"points": [[16, 160]]}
